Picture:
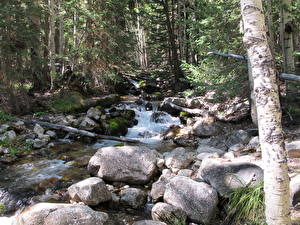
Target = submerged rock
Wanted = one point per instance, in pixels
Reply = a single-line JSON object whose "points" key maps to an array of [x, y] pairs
{"points": [[91, 191], [60, 214], [130, 164], [197, 199]]}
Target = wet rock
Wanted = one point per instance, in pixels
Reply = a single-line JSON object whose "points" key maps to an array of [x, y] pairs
{"points": [[206, 127], [159, 117], [61, 214], [148, 222], [133, 197], [94, 113], [11, 201], [159, 187], [179, 158], [38, 129], [3, 128], [51, 133], [8, 159], [148, 106], [130, 164], [38, 143], [88, 124], [166, 212], [225, 176], [197, 199], [91, 191]]}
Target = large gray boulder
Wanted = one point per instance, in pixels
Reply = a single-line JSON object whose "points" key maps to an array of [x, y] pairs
{"points": [[133, 197], [197, 199], [225, 176], [148, 222], [129, 164], [159, 187], [166, 212], [60, 214], [90, 191], [178, 158], [206, 127]]}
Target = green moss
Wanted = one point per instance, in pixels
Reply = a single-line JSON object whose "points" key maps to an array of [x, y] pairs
{"points": [[4, 116], [128, 114], [2, 208], [108, 100], [117, 126], [16, 146], [67, 102], [156, 93], [142, 83]]}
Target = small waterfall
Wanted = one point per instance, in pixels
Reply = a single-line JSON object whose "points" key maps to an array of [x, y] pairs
{"points": [[151, 124]]}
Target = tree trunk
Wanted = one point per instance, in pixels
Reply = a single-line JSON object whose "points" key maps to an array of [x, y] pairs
{"points": [[173, 47], [61, 37], [286, 28], [51, 6], [276, 179]]}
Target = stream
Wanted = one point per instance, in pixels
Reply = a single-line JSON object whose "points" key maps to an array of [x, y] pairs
{"points": [[40, 178]]}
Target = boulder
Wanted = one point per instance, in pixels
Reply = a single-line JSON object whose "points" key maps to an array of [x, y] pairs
{"points": [[206, 127], [60, 214], [197, 199], [130, 164], [160, 117], [90, 191], [94, 113], [10, 135], [38, 143], [202, 148], [133, 197], [3, 128], [293, 148], [238, 137], [148, 222], [225, 176], [165, 212], [87, 124], [295, 190], [179, 158], [159, 187], [38, 129]]}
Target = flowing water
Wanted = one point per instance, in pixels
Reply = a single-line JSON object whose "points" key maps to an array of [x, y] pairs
{"points": [[38, 178]]}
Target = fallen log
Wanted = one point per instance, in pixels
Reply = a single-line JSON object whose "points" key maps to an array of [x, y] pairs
{"points": [[284, 76], [195, 112], [76, 131]]}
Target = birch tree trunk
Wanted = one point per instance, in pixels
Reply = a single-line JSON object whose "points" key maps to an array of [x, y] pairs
{"points": [[276, 179]]}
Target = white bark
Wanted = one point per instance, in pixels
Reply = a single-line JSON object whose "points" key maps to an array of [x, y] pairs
{"points": [[276, 179], [61, 36]]}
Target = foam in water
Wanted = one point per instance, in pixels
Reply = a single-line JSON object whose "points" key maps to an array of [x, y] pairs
{"points": [[148, 130]]}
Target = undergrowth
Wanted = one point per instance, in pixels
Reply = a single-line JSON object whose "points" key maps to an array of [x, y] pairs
{"points": [[246, 206], [16, 146]]}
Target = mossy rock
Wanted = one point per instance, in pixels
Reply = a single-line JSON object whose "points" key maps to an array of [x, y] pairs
{"points": [[117, 126], [67, 101], [108, 100], [127, 114]]}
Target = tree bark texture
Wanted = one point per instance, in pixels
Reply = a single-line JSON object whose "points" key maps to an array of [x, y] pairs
{"points": [[51, 5], [276, 179]]}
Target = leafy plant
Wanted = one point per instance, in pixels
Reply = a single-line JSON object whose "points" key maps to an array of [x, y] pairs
{"points": [[246, 205], [172, 219], [4, 117], [2, 208]]}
